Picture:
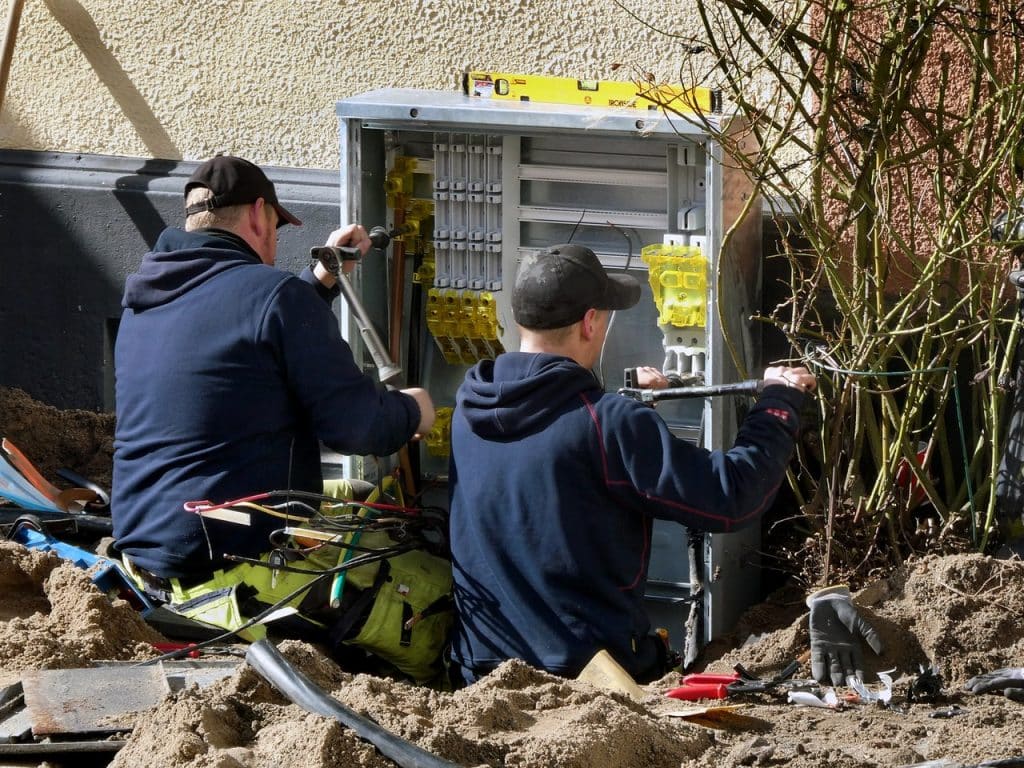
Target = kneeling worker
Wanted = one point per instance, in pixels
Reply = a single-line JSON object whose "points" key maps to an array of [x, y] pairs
{"points": [[555, 483], [229, 374]]}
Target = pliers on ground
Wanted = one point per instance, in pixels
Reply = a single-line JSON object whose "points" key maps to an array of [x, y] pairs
{"points": [[719, 686]]}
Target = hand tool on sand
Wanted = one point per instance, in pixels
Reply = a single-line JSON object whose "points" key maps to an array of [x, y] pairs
{"points": [[720, 686]]}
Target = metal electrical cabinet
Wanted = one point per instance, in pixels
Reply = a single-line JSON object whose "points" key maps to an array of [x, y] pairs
{"points": [[473, 186]]}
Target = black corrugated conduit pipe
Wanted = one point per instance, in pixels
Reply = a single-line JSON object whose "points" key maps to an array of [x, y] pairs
{"points": [[264, 657]]}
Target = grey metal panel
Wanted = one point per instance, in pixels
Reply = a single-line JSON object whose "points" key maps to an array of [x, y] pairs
{"points": [[184, 673], [445, 110], [74, 227]]}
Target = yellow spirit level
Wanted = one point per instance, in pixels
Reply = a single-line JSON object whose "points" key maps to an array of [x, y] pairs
{"points": [[598, 93]]}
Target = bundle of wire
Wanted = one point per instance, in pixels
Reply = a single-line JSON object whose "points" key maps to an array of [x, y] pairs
{"points": [[314, 520]]}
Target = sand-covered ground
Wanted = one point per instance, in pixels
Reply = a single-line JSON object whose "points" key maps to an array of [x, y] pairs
{"points": [[962, 613]]}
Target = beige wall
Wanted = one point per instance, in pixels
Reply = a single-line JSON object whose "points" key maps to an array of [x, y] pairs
{"points": [[183, 79]]}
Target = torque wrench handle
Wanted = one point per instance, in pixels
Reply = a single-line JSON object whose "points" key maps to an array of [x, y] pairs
{"points": [[387, 371], [749, 387], [331, 256]]}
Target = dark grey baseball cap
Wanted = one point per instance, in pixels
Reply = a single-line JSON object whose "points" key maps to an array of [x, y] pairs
{"points": [[555, 289]]}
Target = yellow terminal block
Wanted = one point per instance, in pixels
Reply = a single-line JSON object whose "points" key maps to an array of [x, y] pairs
{"points": [[397, 184], [436, 317], [452, 313], [434, 310], [474, 346], [442, 314], [469, 352], [416, 212], [487, 317], [397, 200], [439, 439], [398, 181], [464, 324], [678, 278]]}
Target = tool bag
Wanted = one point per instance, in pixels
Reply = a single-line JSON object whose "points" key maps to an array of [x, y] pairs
{"points": [[398, 609]]}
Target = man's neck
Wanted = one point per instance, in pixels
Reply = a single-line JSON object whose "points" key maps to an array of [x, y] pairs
{"points": [[233, 237], [574, 352]]}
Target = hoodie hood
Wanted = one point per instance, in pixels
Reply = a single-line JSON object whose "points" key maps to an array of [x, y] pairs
{"points": [[520, 393], [182, 260]]}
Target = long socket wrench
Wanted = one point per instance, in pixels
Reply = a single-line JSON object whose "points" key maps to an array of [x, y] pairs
{"points": [[387, 370], [331, 257], [749, 387]]}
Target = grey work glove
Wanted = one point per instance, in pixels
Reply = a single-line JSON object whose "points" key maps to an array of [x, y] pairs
{"points": [[1008, 681], [836, 630]]}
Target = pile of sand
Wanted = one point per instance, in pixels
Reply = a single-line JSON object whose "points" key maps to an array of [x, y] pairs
{"points": [[54, 439], [54, 617], [963, 613]]}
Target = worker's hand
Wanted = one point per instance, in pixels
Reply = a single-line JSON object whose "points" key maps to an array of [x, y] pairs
{"points": [[427, 413], [649, 377], [353, 235], [836, 630], [800, 377], [1008, 681]]}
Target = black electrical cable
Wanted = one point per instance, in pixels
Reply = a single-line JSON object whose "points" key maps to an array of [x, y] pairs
{"points": [[381, 554], [264, 657]]}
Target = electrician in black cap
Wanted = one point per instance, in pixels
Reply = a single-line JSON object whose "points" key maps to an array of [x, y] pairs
{"points": [[229, 375], [555, 484]]}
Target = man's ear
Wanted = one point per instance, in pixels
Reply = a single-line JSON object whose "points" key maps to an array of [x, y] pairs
{"points": [[588, 325], [257, 214]]}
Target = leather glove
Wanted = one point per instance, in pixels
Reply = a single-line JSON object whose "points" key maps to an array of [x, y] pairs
{"points": [[1008, 681], [836, 630]]}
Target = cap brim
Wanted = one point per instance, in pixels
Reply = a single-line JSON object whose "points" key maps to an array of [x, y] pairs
{"points": [[284, 216], [623, 291]]}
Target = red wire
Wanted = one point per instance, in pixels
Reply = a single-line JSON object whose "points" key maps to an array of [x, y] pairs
{"points": [[206, 505]]}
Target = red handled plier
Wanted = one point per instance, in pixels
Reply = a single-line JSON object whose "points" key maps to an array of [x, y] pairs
{"points": [[169, 648], [704, 685]]}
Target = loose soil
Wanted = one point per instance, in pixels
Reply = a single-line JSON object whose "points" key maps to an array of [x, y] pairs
{"points": [[962, 613]]}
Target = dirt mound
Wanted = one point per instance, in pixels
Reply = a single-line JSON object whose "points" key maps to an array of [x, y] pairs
{"points": [[517, 716], [54, 617], [960, 612], [53, 439]]}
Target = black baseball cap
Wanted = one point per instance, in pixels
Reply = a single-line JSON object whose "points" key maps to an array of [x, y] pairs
{"points": [[234, 181], [556, 289]]}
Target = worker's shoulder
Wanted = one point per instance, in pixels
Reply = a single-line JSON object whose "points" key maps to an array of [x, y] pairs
{"points": [[265, 289], [265, 279]]}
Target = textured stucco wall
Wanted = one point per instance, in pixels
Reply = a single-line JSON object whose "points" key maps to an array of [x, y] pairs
{"points": [[178, 79]]}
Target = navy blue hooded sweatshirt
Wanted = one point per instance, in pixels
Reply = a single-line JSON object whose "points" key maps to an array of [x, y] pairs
{"points": [[554, 487], [228, 372]]}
